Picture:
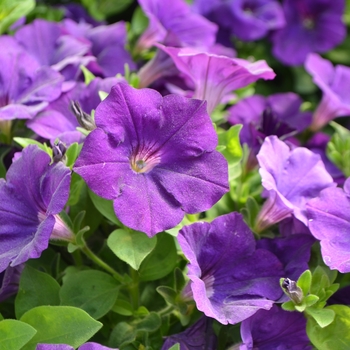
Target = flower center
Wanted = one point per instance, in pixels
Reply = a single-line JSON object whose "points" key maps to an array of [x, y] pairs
{"points": [[143, 161], [308, 23]]}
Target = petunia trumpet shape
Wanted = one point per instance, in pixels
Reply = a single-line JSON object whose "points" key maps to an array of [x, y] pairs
{"points": [[290, 179], [214, 76], [329, 222], [32, 196], [230, 279], [334, 83], [154, 157]]}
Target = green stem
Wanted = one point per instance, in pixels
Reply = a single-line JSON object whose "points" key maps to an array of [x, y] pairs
{"points": [[134, 288], [86, 250], [166, 311], [77, 258]]}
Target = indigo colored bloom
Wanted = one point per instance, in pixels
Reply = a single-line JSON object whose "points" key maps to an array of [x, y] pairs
{"points": [[246, 19], [275, 329], [59, 121], [50, 46], [334, 83], [86, 346], [9, 281], [25, 87], [230, 278], [278, 114], [215, 76], [290, 179], [154, 157], [329, 222], [176, 18], [312, 26], [32, 196], [198, 336]]}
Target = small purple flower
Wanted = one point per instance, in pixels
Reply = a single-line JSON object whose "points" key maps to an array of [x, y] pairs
{"points": [[334, 83], [290, 179], [9, 281], [176, 18], [312, 26], [275, 329], [25, 87], [215, 76], [278, 114], [198, 336], [230, 278], [154, 157], [329, 222], [86, 346], [32, 196]]}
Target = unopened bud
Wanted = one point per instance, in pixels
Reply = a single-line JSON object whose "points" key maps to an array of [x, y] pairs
{"points": [[58, 151], [85, 120], [292, 290]]}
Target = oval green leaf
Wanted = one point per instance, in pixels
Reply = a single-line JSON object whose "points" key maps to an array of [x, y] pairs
{"points": [[60, 325], [131, 246], [14, 334]]}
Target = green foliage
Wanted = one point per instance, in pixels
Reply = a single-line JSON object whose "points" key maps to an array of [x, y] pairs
{"points": [[60, 325], [12, 10], [72, 154], [35, 289], [93, 291], [101, 9], [335, 336], [26, 142], [161, 261], [15, 334], [131, 246], [338, 148]]}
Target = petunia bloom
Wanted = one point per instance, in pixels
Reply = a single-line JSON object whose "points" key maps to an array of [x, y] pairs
{"points": [[334, 83], [154, 157], [214, 76], [25, 87], [275, 329], [230, 279], [290, 179], [9, 281], [329, 222], [312, 26], [32, 196], [86, 346]]}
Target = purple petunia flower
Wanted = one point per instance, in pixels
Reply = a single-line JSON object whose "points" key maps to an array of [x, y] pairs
{"points": [[312, 26], [275, 329], [329, 222], [176, 18], [278, 114], [154, 157], [247, 19], [215, 76], [9, 281], [32, 196], [86, 346], [198, 336], [25, 87], [290, 178], [230, 278], [334, 83]]}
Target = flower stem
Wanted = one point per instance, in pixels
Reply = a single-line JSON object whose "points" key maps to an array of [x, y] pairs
{"points": [[86, 250]]}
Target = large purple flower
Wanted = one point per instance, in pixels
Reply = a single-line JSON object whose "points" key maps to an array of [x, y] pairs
{"points": [[335, 84], [214, 76], [25, 87], [154, 157], [290, 178], [312, 26], [230, 278], [329, 221], [32, 196], [174, 17], [275, 329]]}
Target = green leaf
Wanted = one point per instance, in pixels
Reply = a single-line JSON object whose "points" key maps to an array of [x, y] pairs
{"points": [[131, 246], [180, 280], [122, 307], [150, 323], [139, 21], [101, 9], [35, 289], [88, 76], [12, 10], [311, 300], [26, 142], [72, 154], [15, 334], [60, 325], [304, 282], [105, 207], [122, 334], [336, 336], [161, 261], [175, 347], [323, 317], [288, 306], [168, 294], [93, 291]]}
